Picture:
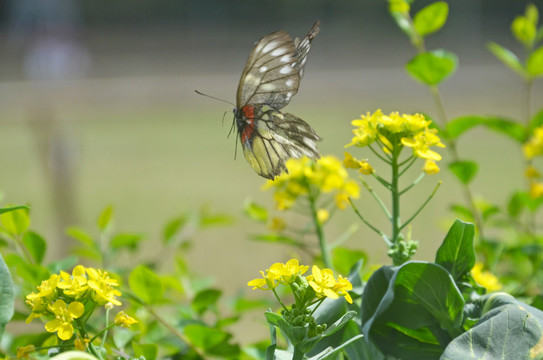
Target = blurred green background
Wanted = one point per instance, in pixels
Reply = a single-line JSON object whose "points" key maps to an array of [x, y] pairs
{"points": [[97, 108]]}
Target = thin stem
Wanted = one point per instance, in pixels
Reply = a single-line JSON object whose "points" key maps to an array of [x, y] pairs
{"points": [[412, 158], [316, 306], [417, 180], [320, 234], [83, 333], [335, 350], [422, 206], [395, 219], [379, 232], [176, 332], [376, 197], [107, 325], [381, 180], [279, 299], [379, 155], [104, 330]]}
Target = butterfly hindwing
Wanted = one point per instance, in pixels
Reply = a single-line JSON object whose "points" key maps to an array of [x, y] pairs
{"points": [[269, 80]]}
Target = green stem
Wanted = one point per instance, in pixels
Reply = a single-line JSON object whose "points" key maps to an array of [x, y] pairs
{"points": [[298, 354], [107, 325], [385, 160], [339, 348], [395, 193], [103, 331], [320, 234], [316, 306], [368, 224], [417, 180], [84, 335], [279, 299], [376, 197], [421, 207]]}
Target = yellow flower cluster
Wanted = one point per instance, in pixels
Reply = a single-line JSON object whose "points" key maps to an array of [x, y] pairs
{"points": [[62, 297], [485, 278], [393, 131], [307, 177], [322, 281]]}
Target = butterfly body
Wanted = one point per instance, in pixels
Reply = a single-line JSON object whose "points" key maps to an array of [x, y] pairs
{"points": [[271, 77]]}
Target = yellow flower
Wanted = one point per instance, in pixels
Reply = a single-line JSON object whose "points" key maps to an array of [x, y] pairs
{"points": [[47, 288], [343, 285], [306, 178], [430, 167], [266, 283], [62, 324], [81, 344], [277, 224], [323, 215], [531, 172], [534, 146], [362, 166], [485, 278], [536, 189], [282, 273], [122, 319], [325, 285], [24, 351], [102, 286], [73, 285], [39, 306], [421, 143]]}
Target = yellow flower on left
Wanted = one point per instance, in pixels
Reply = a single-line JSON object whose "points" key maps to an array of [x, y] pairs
{"points": [[64, 316]]}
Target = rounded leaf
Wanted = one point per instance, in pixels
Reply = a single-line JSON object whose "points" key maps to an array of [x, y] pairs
{"points": [[431, 18], [534, 64], [432, 67], [146, 284]]}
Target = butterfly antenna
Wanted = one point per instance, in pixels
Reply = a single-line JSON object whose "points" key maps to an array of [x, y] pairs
{"points": [[213, 97]]}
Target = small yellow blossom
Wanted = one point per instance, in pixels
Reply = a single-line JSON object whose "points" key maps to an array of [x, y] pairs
{"points": [[531, 172], [23, 352], [38, 305], [64, 315], [122, 319], [102, 286], [73, 285], [536, 190], [267, 282], [534, 146], [47, 288], [277, 224], [323, 215], [325, 285], [282, 273], [81, 344], [485, 278], [362, 166], [430, 167]]}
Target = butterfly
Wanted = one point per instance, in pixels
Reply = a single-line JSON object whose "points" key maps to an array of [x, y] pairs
{"points": [[270, 79]]}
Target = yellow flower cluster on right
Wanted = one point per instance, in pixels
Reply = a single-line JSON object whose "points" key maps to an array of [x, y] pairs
{"points": [[393, 131]]}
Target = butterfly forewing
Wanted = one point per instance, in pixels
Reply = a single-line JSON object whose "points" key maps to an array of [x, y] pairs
{"points": [[269, 80]]}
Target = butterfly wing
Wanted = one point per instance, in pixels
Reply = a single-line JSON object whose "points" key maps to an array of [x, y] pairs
{"points": [[273, 71], [275, 138]]}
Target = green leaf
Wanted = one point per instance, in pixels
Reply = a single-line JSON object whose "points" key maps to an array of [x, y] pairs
{"points": [[532, 14], [432, 67], [522, 200], [507, 57], [536, 121], [507, 329], [146, 284], [36, 245], [16, 222], [464, 170], [411, 311], [344, 259], [80, 235], [172, 228], [105, 218], [128, 241], [205, 299], [274, 238], [524, 30], [431, 18], [213, 341], [74, 355], [13, 208], [255, 211], [148, 351], [504, 126], [7, 296], [208, 219], [534, 64], [457, 253]]}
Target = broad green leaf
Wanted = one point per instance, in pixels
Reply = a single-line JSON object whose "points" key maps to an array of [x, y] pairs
{"points": [[172, 228], [36, 245], [432, 67], [122, 336], [7, 296], [212, 341], [534, 64], [507, 329], [524, 30], [205, 299], [16, 222], [411, 311], [129, 241], [148, 351], [74, 355], [105, 218], [464, 170], [344, 259], [13, 208], [32, 274], [274, 238], [255, 211], [457, 253], [431, 18], [146, 284], [507, 127], [507, 57]]}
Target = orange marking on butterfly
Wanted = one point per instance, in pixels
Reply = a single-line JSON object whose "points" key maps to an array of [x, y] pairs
{"points": [[249, 114]]}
